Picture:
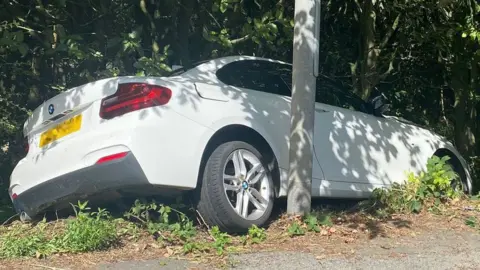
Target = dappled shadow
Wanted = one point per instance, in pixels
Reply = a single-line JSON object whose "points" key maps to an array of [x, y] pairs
{"points": [[353, 215], [346, 213], [355, 152]]}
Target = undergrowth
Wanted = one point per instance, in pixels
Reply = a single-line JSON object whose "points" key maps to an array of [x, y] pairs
{"points": [[89, 231], [432, 189], [92, 231], [175, 230]]}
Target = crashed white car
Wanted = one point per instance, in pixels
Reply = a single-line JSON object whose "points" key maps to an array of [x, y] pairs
{"points": [[220, 129]]}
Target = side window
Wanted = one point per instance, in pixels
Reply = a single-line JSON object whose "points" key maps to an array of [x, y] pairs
{"points": [[328, 93], [256, 75]]}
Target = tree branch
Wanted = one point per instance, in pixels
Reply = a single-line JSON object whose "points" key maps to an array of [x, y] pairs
{"points": [[239, 40], [390, 32]]}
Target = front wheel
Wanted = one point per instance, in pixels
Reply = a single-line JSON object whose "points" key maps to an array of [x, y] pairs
{"points": [[236, 188]]}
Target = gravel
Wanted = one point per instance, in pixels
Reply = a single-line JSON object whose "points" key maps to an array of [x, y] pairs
{"points": [[439, 251]]}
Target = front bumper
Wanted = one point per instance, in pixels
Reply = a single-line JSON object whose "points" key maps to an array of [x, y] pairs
{"points": [[113, 175]]}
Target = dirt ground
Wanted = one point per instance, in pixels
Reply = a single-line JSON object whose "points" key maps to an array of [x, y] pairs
{"points": [[423, 241]]}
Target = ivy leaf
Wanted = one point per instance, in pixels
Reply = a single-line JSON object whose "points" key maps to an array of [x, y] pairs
{"points": [[279, 13], [415, 206], [62, 47], [223, 6], [215, 7], [273, 28], [113, 42], [19, 37], [23, 49]]}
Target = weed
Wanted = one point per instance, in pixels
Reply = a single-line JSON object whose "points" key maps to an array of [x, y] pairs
{"points": [[312, 223], [189, 247], [325, 219], [295, 229], [221, 239], [184, 229], [433, 186], [159, 221], [24, 241], [88, 231], [256, 234], [128, 229], [471, 222]]}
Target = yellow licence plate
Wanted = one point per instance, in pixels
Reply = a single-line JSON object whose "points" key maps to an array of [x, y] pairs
{"points": [[61, 130]]}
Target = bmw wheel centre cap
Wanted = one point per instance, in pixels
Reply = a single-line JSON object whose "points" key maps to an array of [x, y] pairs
{"points": [[51, 109]]}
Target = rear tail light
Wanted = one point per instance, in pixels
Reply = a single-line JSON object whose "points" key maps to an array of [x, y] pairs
{"points": [[134, 96]]}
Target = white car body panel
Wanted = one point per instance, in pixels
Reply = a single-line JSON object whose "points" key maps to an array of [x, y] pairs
{"points": [[145, 133], [354, 152]]}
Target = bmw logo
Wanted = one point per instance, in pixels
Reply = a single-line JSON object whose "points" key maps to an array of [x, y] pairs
{"points": [[51, 109], [245, 185]]}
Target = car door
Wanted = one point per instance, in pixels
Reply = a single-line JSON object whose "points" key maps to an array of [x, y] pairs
{"points": [[268, 85], [283, 74], [357, 150]]}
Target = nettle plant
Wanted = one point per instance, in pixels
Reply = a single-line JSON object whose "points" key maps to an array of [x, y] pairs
{"points": [[438, 184], [441, 180]]}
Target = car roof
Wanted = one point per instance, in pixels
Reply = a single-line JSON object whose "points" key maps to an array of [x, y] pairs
{"points": [[217, 63]]}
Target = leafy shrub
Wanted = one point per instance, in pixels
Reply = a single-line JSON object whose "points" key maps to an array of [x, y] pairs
{"points": [[221, 239], [295, 229], [88, 231], [256, 234], [24, 241], [159, 221], [434, 185], [311, 221]]}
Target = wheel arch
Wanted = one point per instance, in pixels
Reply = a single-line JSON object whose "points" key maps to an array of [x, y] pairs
{"points": [[458, 166], [247, 134]]}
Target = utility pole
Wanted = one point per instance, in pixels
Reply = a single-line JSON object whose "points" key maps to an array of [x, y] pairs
{"points": [[305, 68]]}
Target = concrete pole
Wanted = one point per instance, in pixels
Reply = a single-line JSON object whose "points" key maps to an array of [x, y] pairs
{"points": [[305, 48]]}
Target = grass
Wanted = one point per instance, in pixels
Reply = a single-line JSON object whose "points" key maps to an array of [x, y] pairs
{"points": [[175, 230], [89, 231]]}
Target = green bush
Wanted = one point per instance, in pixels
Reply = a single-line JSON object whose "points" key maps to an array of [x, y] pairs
{"points": [[434, 185], [24, 242], [88, 231], [256, 234], [170, 224]]}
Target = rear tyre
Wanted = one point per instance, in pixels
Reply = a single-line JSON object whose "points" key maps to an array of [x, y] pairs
{"points": [[236, 189]]}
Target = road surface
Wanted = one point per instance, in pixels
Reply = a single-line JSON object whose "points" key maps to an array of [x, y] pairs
{"points": [[437, 250]]}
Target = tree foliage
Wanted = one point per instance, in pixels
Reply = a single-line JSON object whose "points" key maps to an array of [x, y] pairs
{"points": [[423, 54]]}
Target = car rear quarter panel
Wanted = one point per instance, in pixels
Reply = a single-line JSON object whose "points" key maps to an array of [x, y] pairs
{"points": [[266, 114]]}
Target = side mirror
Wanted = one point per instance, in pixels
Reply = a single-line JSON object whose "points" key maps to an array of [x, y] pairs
{"points": [[379, 105]]}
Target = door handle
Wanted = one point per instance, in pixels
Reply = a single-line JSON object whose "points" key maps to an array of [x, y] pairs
{"points": [[320, 110]]}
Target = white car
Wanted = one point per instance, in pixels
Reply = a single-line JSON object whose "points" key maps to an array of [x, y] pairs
{"points": [[220, 129]]}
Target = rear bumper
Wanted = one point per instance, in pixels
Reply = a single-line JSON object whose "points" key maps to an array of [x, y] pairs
{"points": [[79, 184]]}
